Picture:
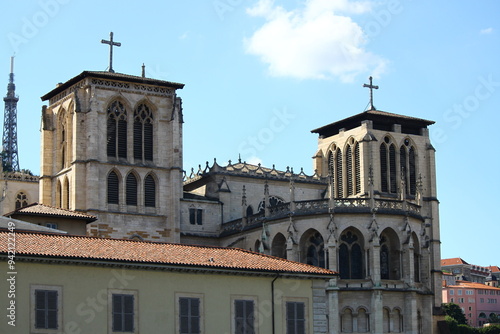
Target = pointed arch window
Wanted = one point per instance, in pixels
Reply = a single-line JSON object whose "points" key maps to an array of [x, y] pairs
{"points": [[149, 191], [66, 194], [314, 250], [349, 167], [357, 168], [390, 256], [113, 188], [338, 177], [143, 133], [353, 168], [350, 256], [131, 189], [21, 200], [117, 130], [388, 181], [408, 168]]}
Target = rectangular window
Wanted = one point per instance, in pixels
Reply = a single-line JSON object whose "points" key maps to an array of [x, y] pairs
{"points": [[481, 300], [195, 216], [460, 300], [459, 292], [244, 318], [452, 292], [469, 292], [51, 225], [123, 313], [295, 318], [189, 315], [46, 308]]}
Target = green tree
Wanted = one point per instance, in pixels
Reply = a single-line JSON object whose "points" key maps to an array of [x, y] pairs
{"points": [[454, 311], [490, 330], [494, 319]]}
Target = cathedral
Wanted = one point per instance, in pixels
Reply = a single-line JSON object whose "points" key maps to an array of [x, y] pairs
{"points": [[112, 148]]}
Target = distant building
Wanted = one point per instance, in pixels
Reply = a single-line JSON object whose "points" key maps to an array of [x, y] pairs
{"points": [[478, 301], [465, 271]]}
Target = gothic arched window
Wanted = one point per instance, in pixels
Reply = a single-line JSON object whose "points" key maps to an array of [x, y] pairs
{"points": [[388, 181], [338, 177], [350, 256], [21, 200], [313, 249], [149, 191], [390, 255], [113, 188], [353, 167], [278, 246], [131, 189], [66, 194], [407, 160], [117, 130], [143, 133]]}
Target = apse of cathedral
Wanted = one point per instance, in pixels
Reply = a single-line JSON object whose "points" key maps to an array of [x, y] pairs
{"points": [[112, 148]]}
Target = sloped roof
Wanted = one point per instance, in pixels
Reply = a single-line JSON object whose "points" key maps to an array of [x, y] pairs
{"points": [[19, 225], [494, 269], [380, 119], [112, 76], [472, 285], [119, 250], [36, 209], [452, 262]]}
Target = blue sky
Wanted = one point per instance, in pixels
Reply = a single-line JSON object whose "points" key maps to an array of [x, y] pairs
{"points": [[260, 75]]}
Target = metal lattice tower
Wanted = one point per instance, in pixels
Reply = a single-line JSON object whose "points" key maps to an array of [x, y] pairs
{"points": [[10, 160]]}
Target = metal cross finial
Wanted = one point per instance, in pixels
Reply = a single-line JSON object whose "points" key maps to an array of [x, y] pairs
{"points": [[372, 87], [111, 44]]}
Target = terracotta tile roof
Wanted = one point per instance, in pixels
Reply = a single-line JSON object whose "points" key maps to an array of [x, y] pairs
{"points": [[119, 250], [37, 209], [494, 269], [472, 285], [452, 262]]}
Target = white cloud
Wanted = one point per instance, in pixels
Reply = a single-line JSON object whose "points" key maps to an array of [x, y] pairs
{"points": [[253, 160], [315, 41], [486, 31]]}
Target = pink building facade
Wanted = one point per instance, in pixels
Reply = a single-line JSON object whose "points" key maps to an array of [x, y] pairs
{"points": [[478, 301]]}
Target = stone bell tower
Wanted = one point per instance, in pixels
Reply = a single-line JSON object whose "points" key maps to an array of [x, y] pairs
{"points": [[112, 147], [383, 162]]}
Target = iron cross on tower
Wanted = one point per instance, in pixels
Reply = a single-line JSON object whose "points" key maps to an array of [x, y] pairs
{"points": [[372, 87], [111, 44]]}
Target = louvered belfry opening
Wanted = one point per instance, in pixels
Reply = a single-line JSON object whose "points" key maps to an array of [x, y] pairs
{"points": [[384, 185], [113, 188], [388, 169], [131, 189], [403, 167], [348, 156], [149, 191], [117, 130], [143, 133], [393, 169], [357, 168], [413, 171], [339, 180]]}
